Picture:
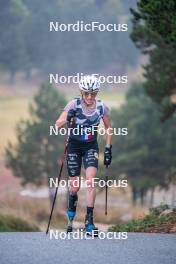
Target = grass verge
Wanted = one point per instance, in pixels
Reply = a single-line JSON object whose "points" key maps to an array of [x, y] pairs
{"points": [[157, 221]]}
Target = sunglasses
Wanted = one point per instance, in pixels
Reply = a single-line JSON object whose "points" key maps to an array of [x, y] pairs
{"points": [[86, 94]]}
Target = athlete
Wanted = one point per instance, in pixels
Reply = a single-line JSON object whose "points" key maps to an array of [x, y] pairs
{"points": [[86, 113]]}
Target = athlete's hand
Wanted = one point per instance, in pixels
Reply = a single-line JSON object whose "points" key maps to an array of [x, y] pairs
{"points": [[107, 156], [71, 114]]}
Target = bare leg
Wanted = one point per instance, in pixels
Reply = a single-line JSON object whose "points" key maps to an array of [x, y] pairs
{"points": [[91, 195], [74, 184], [91, 189]]}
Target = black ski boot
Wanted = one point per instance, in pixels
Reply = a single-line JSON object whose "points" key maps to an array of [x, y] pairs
{"points": [[90, 228]]}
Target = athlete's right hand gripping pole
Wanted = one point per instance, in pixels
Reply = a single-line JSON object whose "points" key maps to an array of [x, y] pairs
{"points": [[70, 116]]}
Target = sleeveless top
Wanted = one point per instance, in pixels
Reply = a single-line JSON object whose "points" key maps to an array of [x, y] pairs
{"points": [[85, 125]]}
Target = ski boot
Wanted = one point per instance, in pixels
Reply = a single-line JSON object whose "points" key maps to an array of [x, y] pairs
{"points": [[70, 217], [71, 211], [90, 228]]}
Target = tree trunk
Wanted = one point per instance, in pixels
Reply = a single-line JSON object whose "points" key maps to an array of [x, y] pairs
{"points": [[143, 194], [152, 196], [134, 196], [142, 197], [173, 199]]}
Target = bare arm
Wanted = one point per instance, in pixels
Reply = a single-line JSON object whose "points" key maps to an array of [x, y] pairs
{"points": [[62, 120], [108, 126]]}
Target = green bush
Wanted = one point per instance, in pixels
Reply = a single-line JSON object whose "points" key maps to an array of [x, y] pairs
{"points": [[153, 219]]}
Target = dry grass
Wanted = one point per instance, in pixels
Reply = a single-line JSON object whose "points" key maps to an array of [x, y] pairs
{"points": [[34, 211], [12, 109]]}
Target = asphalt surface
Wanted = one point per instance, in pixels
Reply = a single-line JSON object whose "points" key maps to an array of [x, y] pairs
{"points": [[138, 248]]}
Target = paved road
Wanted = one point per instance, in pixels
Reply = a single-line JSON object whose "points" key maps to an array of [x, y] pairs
{"points": [[31, 248]]}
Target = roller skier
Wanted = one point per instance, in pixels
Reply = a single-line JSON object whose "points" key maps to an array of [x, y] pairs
{"points": [[85, 113]]}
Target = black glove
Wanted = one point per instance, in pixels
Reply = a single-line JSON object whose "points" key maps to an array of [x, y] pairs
{"points": [[107, 156], [71, 114]]}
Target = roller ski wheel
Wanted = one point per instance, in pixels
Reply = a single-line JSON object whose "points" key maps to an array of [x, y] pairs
{"points": [[93, 232], [69, 229]]}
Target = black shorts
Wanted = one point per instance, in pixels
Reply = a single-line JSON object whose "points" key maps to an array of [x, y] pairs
{"points": [[77, 152]]}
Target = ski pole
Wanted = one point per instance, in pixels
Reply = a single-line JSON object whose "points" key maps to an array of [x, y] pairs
{"points": [[106, 193], [59, 177], [60, 172]]}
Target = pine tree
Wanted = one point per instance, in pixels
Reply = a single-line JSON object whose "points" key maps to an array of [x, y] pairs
{"points": [[35, 156], [14, 57], [154, 33], [147, 154]]}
